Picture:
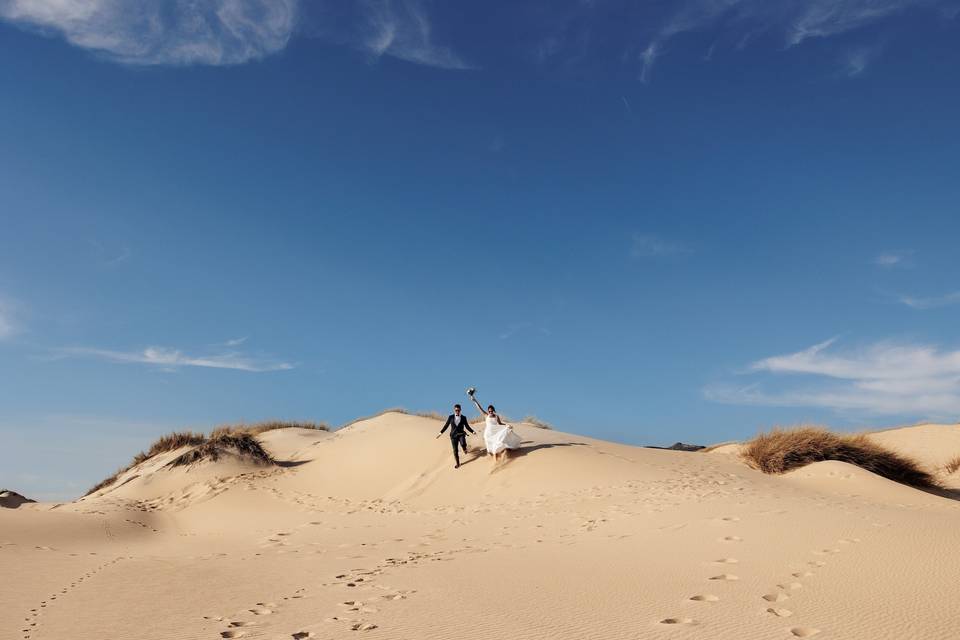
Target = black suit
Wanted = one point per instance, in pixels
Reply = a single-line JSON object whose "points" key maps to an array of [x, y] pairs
{"points": [[457, 434]]}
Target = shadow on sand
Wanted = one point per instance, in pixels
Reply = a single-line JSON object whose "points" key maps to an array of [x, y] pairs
{"points": [[291, 463], [949, 494], [522, 451]]}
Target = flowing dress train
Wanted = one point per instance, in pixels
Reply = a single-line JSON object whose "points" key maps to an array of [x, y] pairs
{"points": [[499, 436]]}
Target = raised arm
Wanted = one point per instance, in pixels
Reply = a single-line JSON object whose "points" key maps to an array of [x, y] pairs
{"points": [[478, 405]]}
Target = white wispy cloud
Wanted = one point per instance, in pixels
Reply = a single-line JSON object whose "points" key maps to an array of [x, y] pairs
{"points": [[148, 32], [236, 342], [885, 378], [172, 359], [855, 61], [793, 22], [647, 59], [404, 30], [900, 258], [935, 302], [648, 245], [224, 32]]}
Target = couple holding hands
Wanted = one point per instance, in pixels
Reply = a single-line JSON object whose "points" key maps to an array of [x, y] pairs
{"points": [[498, 436]]}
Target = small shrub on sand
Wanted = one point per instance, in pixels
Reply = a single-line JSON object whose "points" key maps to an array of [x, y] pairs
{"points": [[952, 466], [241, 443], [239, 438], [270, 425], [783, 450], [534, 421], [170, 442]]}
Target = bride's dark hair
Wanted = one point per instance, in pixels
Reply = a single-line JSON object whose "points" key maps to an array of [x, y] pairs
{"points": [[490, 407]]}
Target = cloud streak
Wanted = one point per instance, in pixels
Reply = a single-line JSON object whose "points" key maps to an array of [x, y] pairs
{"points": [[402, 29], [891, 259], [165, 32], [173, 359], [935, 302], [885, 378], [226, 32]]}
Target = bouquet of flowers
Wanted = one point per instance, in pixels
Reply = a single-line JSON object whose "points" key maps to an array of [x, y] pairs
{"points": [[471, 391]]}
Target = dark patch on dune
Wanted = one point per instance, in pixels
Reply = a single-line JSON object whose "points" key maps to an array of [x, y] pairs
{"points": [[12, 499], [679, 446]]}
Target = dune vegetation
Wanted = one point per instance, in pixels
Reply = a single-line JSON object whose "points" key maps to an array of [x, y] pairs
{"points": [[783, 450], [240, 438], [952, 466], [534, 421]]}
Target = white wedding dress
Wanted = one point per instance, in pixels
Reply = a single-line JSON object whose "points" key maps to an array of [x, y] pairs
{"points": [[499, 436]]}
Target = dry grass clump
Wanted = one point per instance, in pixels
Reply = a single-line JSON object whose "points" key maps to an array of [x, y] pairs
{"points": [[172, 441], [241, 443], [782, 450], [269, 425], [952, 466], [106, 482], [162, 444], [239, 438], [534, 421]]}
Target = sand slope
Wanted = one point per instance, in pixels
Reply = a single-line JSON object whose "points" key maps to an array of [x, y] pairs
{"points": [[369, 531]]}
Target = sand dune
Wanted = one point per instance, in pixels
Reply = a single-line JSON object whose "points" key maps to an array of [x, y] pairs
{"points": [[369, 530], [12, 499]]}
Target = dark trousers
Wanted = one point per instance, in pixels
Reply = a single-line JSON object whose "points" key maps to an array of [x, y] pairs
{"points": [[461, 440]]}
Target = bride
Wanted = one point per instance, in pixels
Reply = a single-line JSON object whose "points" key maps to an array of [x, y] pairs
{"points": [[498, 435]]}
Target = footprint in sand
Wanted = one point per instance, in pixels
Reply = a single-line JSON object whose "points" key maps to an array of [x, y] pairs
{"points": [[232, 634], [260, 611], [732, 539], [779, 612], [706, 597], [725, 576], [802, 574], [791, 586], [776, 597], [300, 635], [241, 623], [804, 632], [678, 621], [727, 561]]}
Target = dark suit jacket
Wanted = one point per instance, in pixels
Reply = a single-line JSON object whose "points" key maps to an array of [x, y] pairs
{"points": [[455, 430]]}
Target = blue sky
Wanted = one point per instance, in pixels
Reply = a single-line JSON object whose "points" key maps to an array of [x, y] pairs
{"points": [[647, 223]]}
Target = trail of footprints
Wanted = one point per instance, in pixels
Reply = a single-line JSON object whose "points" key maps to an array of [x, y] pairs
{"points": [[775, 597], [34, 618], [352, 609]]}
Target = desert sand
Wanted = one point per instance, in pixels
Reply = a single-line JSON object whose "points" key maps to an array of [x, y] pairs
{"points": [[369, 532]]}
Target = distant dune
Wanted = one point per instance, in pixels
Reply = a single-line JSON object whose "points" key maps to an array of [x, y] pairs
{"points": [[12, 499], [369, 530]]}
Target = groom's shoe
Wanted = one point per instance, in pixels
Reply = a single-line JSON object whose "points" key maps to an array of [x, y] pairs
{"points": [[456, 466]]}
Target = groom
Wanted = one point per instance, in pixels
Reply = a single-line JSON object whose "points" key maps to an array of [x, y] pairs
{"points": [[457, 424]]}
